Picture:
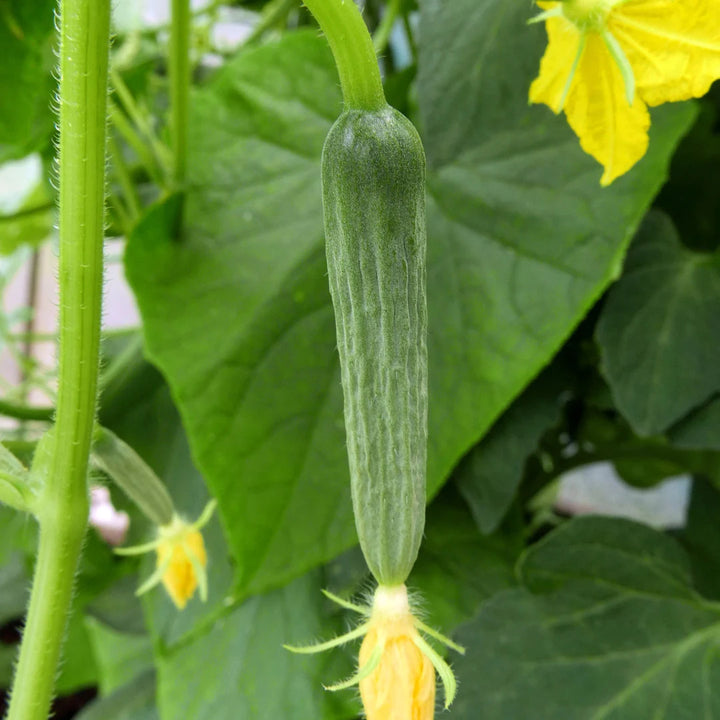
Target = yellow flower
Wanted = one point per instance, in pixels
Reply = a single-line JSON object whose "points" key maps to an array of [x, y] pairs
{"points": [[402, 686], [607, 60], [181, 558], [396, 666]]}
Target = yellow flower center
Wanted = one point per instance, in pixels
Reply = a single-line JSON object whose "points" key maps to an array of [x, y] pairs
{"points": [[587, 14]]}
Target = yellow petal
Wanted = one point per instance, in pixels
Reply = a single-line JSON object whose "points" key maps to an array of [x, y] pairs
{"points": [[180, 579], [556, 68], [402, 687], [672, 45], [610, 130]]}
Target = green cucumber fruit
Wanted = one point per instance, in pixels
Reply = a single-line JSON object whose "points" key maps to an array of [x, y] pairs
{"points": [[373, 178]]}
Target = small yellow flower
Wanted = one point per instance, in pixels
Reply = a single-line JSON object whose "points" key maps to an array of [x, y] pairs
{"points": [[181, 558], [396, 666], [179, 555], [402, 686], [607, 60]]}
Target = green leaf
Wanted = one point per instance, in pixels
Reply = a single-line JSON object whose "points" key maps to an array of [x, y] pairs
{"points": [[236, 309], [700, 429], [78, 668], [690, 195], [257, 679], [17, 544], [659, 332], [607, 550], [646, 472], [26, 83], [480, 89], [15, 581], [458, 568], [118, 608], [134, 701], [608, 627], [701, 537], [489, 475], [120, 657], [14, 479]]}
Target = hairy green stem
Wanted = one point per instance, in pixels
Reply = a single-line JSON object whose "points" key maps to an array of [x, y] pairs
{"points": [[353, 50], [179, 71], [62, 506]]}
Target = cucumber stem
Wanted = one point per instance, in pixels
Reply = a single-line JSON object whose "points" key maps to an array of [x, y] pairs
{"points": [[353, 50], [62, 507]]}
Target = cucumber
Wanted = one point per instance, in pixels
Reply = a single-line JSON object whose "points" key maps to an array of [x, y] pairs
{"points": [[373, 183]]}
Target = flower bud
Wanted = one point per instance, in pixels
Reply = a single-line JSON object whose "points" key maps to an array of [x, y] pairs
{"points": [[180, 552], [181, 558]]}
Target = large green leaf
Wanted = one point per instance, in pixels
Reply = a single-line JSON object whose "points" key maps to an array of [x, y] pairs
{"points": [[236, 307], [26, 82], [254, 677], [608, 627], [489, 475], [120, 657], [18, 537], [700, 429], [701, 536], [476, 60], [457, 567], [659, 332], [134, 701]]}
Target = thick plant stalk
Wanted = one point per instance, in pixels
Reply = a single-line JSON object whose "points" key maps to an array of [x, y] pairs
{"points": [[62, 507]]}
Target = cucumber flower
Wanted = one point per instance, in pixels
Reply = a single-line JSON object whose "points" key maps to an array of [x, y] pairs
{"points": [[396, 666], [607, 60], [181, 558]]}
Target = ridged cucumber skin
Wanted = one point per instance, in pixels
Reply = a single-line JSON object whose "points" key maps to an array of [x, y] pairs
{"points": [[373, 182]]}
